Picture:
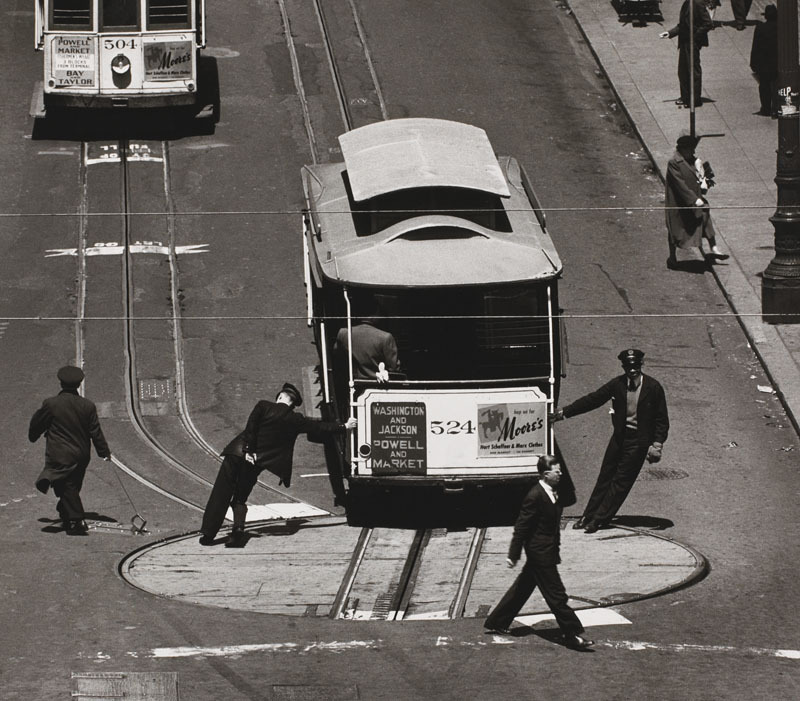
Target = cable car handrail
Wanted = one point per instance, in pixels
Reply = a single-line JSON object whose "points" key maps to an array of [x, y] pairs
{"points": [[492, 381]]}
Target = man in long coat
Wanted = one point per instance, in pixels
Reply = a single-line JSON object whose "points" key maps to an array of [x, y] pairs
{"points": [[641, 424], [687, 212], [538, 531], [268, 444], [70, 424], [764, 61]]}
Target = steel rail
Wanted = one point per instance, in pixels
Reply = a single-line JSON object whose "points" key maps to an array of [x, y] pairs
{"points": [[343, 593], [459, 602]]}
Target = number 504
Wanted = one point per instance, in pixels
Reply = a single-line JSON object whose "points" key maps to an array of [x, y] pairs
{"points": [[451, 428]]}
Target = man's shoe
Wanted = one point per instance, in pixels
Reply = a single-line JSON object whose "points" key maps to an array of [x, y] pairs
{"points": [[206, 540], [580, 523], [672, 263], [237, 538], [577, 642], [498, 631], [78, 527], [591, 527]]}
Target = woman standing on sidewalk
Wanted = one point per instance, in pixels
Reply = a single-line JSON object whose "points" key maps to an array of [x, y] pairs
{"points": [[687, 212]]}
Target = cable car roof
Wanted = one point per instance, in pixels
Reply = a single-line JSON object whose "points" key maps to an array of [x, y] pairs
{"points": [[440, 250], [400, 154]]}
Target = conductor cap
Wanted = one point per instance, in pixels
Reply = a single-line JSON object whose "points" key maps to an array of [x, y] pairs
{"points": [[293, 393], [631, 356], [70, 376]]}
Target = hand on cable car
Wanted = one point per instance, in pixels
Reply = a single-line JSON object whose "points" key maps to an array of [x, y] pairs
{"points": [[351, 423], [556, 416], [250, 457], [383, 374]]}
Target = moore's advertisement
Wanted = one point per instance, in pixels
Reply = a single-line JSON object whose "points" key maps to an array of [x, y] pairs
{"points": [[168, 60], [512, 429]]}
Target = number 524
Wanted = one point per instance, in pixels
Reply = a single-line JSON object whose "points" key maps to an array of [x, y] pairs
{"points": [[451, 427]]}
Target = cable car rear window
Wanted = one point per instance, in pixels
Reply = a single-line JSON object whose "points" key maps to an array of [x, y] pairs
{"points": [[379, 213], [72, 14], [120, 14], [168, 13]]}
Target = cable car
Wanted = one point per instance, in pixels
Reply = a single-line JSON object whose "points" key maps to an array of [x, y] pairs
{"points": [[118, 53], [424, 232]]}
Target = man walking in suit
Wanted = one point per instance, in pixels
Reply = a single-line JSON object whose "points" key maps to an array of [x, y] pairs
{"points": [[70, 424], [538, 531], [641, 424], [269, 439]]}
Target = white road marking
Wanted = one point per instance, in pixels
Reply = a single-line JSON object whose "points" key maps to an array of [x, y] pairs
{"points": [[275, 512], [686, 647], [114, 249], [440, 641], [231, 650]]}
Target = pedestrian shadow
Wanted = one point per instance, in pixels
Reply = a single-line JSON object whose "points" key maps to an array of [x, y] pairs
{"points": [[696, 267], [652, 523], [550, 635], [290, 527], [638, 12], [56, 526]]}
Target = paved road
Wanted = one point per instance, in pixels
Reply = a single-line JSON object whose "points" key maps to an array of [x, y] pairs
{"points": [[528, 78]]}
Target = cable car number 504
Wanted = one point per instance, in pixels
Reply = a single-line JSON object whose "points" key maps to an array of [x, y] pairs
{"points": [[451, 428], [109, 44]]}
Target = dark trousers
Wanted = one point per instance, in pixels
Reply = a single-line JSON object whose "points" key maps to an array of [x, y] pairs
{"points": [[686, 63], [740, 9], [68, 491], [548, 580], [767, 94], [235, 481], [622, 463]]}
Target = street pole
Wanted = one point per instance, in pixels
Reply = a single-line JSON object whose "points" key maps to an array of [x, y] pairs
{"points": [[780, 281], [691, 68]]}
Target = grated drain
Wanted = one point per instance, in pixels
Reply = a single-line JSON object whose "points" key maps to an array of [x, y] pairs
{"points": [[289, 692], [133, 686], [663, 474]]}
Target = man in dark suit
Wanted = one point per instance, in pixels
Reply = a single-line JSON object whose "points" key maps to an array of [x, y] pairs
{"points": [[269, 439], [689, 51], [374, 351], [538, 531], [641, 424], [70, 424], [764, 61]]}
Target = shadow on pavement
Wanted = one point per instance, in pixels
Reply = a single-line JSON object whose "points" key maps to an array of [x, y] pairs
{"points": [[653, 523]]}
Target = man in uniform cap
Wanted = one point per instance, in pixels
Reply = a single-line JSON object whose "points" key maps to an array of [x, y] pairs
{"points": [[70, 424], [267, 443], [641, 424]]}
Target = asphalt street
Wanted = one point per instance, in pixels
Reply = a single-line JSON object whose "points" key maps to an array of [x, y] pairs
{"points": [[727, 487]]}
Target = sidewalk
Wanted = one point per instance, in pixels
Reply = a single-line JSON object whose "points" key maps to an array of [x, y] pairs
{"points": [[642, 68]]}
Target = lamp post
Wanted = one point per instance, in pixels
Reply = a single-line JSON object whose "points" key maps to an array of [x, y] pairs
{"points": [[780, 281]]}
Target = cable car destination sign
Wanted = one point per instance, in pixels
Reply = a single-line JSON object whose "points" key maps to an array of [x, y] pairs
{"points": [[421, 433]]}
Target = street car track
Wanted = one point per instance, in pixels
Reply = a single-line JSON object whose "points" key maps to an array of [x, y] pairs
{"points": [[397, 599], [133, 406]]}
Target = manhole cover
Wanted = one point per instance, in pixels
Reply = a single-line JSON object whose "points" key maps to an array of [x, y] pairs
{"points": [[286, 692], [135, 686], [663, 474]]}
